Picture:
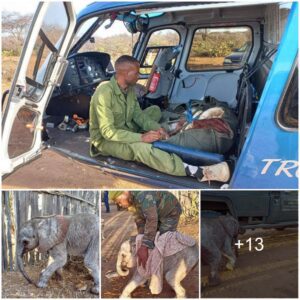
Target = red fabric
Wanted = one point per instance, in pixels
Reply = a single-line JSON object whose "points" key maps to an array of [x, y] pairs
{"points": [[215, 123], [63, 227], [166, 244]]}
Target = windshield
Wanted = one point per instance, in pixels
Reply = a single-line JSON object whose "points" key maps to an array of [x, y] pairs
{"points": [[83, 29], [112, 39]]}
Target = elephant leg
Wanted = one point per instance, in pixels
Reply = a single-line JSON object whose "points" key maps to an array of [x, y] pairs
{"points": [[58, 274], [229, 253], [57, 259], [91, 261], [174, 278], [214, 263], [136, 281]]}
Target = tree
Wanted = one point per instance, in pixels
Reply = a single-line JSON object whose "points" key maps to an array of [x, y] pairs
{"points": [[14, 29], [189, 201]]}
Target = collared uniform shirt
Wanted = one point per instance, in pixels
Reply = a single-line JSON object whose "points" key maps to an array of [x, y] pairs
{"points": [[115, 117]]}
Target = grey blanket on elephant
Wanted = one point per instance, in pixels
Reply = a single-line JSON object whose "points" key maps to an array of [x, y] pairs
{"points": [[209, 140], [166, 244], [61, 236]]}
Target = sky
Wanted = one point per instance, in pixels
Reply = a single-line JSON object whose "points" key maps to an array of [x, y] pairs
{"points": [[29, 6]]}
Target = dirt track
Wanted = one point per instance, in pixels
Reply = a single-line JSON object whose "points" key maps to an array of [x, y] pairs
{"points": [[272, 273], [75, 276], [64, 173], [118, 227]]}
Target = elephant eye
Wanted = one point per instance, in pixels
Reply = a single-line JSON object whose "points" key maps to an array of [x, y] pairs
{"points": [[33, 236]]}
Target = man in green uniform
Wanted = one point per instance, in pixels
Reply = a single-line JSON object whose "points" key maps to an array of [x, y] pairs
{"points": [[119, 128], [154, 211]]}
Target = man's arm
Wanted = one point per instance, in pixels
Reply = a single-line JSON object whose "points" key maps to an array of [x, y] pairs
{"points": [[103, 109], [151, 224], [146, 221], [148, 212], [140, 223]]}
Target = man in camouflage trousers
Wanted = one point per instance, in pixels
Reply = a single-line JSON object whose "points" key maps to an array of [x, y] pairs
{"points": [[154, 211]]}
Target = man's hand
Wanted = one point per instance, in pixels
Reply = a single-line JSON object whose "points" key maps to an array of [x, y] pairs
{"points": [[150, 136], [142, 255], [163, 134]]}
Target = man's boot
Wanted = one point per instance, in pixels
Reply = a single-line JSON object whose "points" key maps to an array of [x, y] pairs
{"points": [[219, 172]]}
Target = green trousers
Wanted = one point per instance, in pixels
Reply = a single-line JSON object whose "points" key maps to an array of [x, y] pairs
{"points": [[144, 152]]}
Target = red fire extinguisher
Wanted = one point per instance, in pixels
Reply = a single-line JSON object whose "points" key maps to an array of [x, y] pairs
{"points": [[154, 82]]}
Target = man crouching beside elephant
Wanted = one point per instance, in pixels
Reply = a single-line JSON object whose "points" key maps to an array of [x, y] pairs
{"points": [[76, 235], [154, 211], [159, 250]]}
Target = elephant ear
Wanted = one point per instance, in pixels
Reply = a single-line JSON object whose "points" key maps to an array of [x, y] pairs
{"points": [[230, 224], [50, 233]]}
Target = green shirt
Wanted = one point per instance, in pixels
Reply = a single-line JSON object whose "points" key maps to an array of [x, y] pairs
{"points": [[116, 118]]}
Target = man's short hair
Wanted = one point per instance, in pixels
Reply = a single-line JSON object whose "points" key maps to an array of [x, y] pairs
{"points": [[125, 59]]}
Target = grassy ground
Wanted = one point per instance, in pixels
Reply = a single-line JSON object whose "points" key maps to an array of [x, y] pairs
{"points": [[76, 283], [9, 65]]}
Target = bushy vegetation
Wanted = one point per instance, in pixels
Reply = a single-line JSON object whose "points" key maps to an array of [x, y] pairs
{"points": [[14, 28], [217, 44], [189, 201], [115, 45], [207, 44]]}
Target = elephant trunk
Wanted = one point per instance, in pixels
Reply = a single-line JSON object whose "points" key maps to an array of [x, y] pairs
{"points": [[20, 253], [121, 269]]}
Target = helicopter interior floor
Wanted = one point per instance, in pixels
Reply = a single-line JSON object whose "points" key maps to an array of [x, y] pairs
{"points": [[76, 145]]}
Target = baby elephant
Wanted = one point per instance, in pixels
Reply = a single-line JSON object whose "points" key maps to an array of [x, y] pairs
{"points": [[218, 236], [175, 267], [61, 235]]}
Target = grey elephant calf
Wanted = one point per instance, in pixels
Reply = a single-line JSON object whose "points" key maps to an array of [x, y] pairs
{"points": [[175, 267], [61, 235], [218, 236]]}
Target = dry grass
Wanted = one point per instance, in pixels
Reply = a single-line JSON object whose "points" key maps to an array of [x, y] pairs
{"points": [[204, 63], [9, 65], [14, 284]]}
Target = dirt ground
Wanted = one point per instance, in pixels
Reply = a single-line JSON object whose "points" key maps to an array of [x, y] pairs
{"points": [[75, 277], [119, 225], [65, 173], [271, 273]]}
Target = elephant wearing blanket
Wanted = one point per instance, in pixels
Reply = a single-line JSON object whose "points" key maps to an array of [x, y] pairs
{"points": [[59, 236], [173, 257]]}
